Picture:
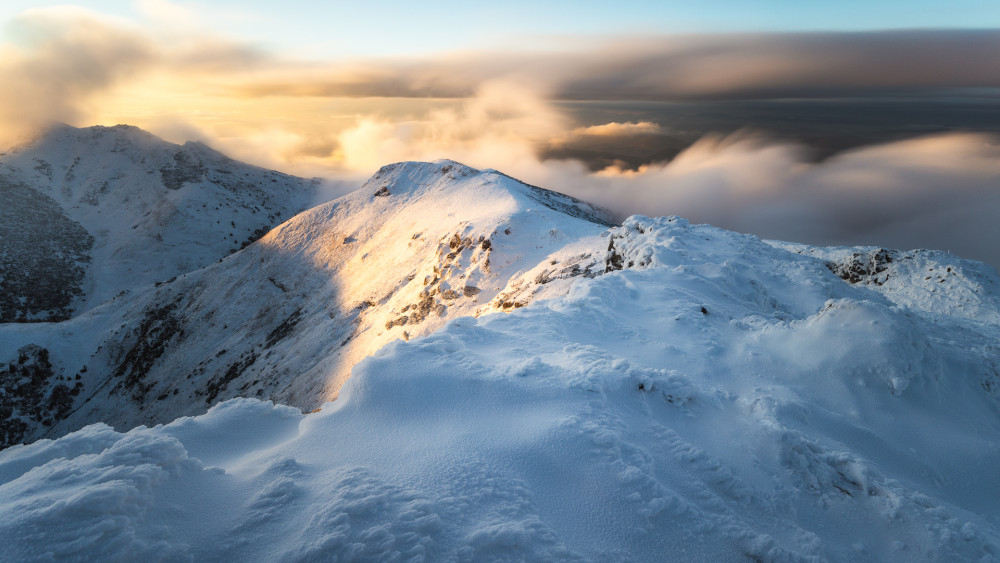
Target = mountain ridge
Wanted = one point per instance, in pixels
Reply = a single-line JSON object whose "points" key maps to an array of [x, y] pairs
{"points": [[416, 245]]}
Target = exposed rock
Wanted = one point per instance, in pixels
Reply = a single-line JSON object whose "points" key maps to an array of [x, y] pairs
{"points": [[29, 394], [185, 168], [235, 369], [865, 267], [284, 329], [43, 256], [149, 341]]}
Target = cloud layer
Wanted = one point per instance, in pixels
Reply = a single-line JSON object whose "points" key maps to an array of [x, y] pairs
{"points": [[170, 75], [685, 67], [59, 62], [936, 192]]}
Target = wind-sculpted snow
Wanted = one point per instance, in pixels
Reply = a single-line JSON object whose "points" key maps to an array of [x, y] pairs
{"points": [[700, 395]]}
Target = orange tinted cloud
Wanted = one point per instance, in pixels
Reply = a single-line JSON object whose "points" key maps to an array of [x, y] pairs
{"points": [[74, 65], [61, 61], [615, 129]]}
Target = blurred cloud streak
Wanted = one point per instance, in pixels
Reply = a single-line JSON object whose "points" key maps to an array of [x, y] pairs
{"points": [[733, 66]]}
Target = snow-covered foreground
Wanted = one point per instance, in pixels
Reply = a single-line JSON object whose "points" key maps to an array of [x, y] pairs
{"points": [[717, 398]]}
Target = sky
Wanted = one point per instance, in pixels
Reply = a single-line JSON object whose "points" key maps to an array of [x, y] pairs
{"points": [[782, 119], [320, 28]]}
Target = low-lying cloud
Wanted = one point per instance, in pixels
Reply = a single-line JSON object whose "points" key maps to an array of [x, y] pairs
{"points": [[938, 192]]}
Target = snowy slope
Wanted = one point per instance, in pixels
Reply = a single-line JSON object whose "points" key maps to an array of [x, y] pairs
{"points": [[701, 395], [88, 213], [289, 316]]}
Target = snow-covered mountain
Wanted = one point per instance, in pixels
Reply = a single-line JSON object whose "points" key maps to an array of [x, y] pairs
{"points": [[527, 382], [288, 317], [88, 213]]}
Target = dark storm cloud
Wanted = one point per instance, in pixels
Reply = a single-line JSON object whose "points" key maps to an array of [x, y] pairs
{"points": [[790, 65]]}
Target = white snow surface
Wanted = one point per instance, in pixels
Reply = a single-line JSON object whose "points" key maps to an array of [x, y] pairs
{"points": [[717, 398]]}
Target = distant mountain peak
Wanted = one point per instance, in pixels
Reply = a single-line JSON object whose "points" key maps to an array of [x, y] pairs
{"points": [[124, 194], [63, 132]]}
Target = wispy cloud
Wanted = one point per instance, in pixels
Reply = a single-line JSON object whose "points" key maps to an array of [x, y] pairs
{"points": [[935, 192], [59, 61]]}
